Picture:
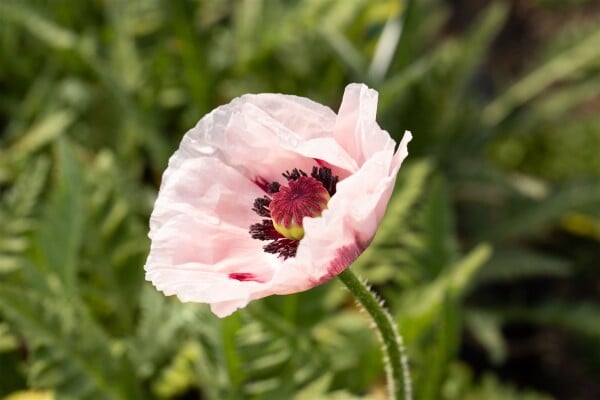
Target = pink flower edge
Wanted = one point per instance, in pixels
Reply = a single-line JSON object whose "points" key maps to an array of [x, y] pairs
{"points": [[201, 250]]}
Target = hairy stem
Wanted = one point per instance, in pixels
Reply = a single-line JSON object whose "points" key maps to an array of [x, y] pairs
{"points": [[396, 363]]}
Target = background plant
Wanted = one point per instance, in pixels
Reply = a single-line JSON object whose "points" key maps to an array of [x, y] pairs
{"points": [[487, 256]]}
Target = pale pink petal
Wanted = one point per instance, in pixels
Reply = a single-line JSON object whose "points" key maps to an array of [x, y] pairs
{"points": [[204, 186], [308, 119], [194, 238], [225, 295], [230, 131], [356, 128], [227, 308]]}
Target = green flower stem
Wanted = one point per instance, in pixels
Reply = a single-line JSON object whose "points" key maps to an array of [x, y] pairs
{"points": [[396, 363]]}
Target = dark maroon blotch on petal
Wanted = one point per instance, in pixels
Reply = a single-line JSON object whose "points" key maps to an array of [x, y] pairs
{"points": [[266, 186], [261, 183], [343, 258], [243, 276]]}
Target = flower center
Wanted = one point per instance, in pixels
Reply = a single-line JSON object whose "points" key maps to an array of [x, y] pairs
{"points": [[287, 205], [303, 197]]}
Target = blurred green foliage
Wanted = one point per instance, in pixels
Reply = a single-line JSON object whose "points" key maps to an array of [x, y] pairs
{"points": [[95, 97]]}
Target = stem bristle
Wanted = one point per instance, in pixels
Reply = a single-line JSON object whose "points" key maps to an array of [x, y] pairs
{"points": [[394, 355]]}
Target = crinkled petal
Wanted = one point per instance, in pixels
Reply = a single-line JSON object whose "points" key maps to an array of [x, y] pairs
{"points": [[206, 187], [356, 128], [260, 142]]}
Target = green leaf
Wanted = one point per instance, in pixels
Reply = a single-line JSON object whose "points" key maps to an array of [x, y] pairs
{"points": [[531, 218], [37, 24], [442, 346], [351, 58], [491, 389], [436, 223], [420, 305], [510, 264], [179, 376], [576, 58], [16, 210], [487, 330], [41, 133], [68, 352], [580, 317], [57, 240]]}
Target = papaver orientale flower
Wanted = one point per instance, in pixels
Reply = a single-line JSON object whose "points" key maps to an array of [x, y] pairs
{"points": [[270, 194]]}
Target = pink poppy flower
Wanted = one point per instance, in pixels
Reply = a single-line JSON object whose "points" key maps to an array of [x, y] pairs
{"points": [[271, 194]]}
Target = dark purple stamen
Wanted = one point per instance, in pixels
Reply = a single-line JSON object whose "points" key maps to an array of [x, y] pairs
{"points": [[280, 245], [295, 174], [267, 187], [261, 206], [286, 248], [273, 187], [324, 175], [264, 231]]}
